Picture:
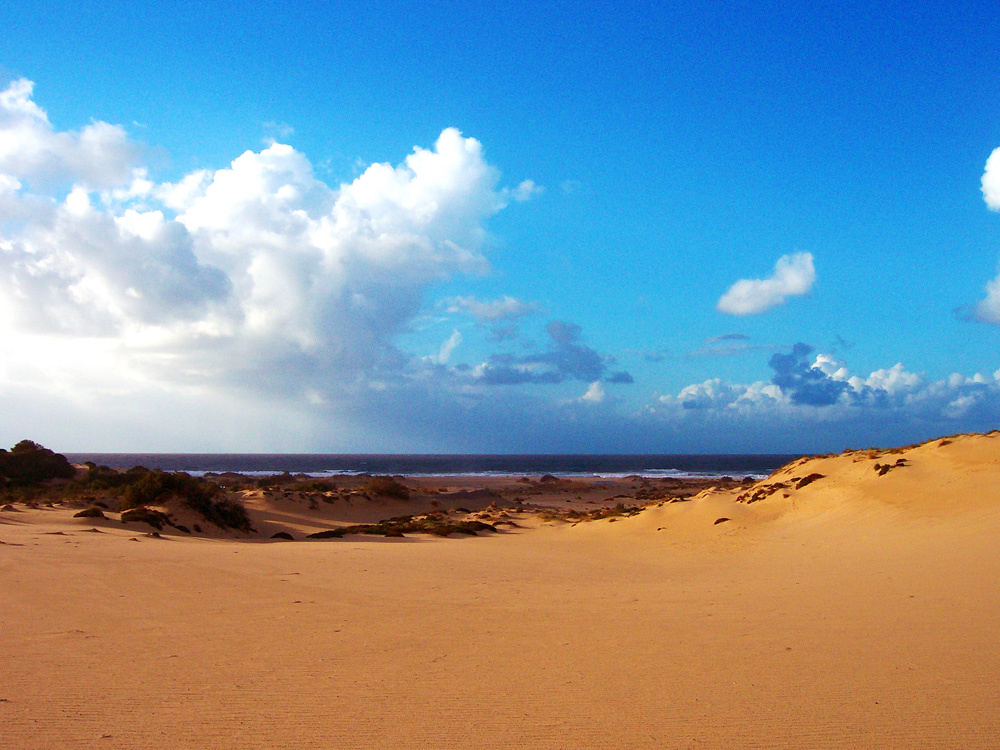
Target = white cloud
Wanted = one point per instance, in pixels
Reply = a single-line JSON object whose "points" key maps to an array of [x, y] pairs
{"points": [[894, 380], [595, 393], [526, 191], [831, 366], [988, 310], [826, 391], [505, 308], [99, 155], [991, 181], [448, 347], [793, 276], [712, 392], [257, 275]]}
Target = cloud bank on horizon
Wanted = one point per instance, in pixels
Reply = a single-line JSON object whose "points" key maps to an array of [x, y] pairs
{"points": [[253, 306]]}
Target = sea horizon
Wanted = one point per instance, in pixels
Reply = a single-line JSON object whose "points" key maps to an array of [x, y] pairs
{"points": [[678, 465]]}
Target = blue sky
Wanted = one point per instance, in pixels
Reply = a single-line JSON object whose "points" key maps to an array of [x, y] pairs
{"points": [[446, 228]]}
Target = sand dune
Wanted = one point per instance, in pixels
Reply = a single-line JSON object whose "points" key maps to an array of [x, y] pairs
{"points": [[857, 609]]}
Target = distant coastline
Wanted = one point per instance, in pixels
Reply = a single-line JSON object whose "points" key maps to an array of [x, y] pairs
{"points": [[610, 465]]}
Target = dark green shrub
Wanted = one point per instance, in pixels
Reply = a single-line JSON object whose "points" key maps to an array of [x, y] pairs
{"points": [[224, 513], [387, 487], [29, 463], [436, 524], [155, 487], [142, 514], [200, 495], [276, 481], [92, 512], [315, 485], [329, 534], [102, 478]]}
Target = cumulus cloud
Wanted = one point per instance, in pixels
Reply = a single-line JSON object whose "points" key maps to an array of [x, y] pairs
{"points": [[988, 310], [83, 271], [793, 276], [892, 381], [808, 387], [257, 275], [99, 155], [566, 358], [805, 382], [707, 394], [991, 181]]}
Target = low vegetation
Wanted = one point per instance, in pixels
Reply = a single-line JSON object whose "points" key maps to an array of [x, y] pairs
{"points": [[28, 463], [386, 487], [595, 515], [142, 514], [437, 524], [29, 472]]}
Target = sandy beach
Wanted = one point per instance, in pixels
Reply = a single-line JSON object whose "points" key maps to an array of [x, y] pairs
{"points": [[847, 601]]}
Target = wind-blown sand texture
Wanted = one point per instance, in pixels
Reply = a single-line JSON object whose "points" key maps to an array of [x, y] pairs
{"points": [[842, 605]]}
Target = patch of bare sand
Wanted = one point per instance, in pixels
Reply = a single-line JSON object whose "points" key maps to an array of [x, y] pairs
{"points": [[859, 611]]}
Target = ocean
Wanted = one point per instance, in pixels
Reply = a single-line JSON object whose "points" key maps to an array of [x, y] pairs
{"points": [[319, 465]]}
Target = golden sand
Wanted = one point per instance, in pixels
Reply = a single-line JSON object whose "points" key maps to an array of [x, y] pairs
{"points": [[860, 610]]}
